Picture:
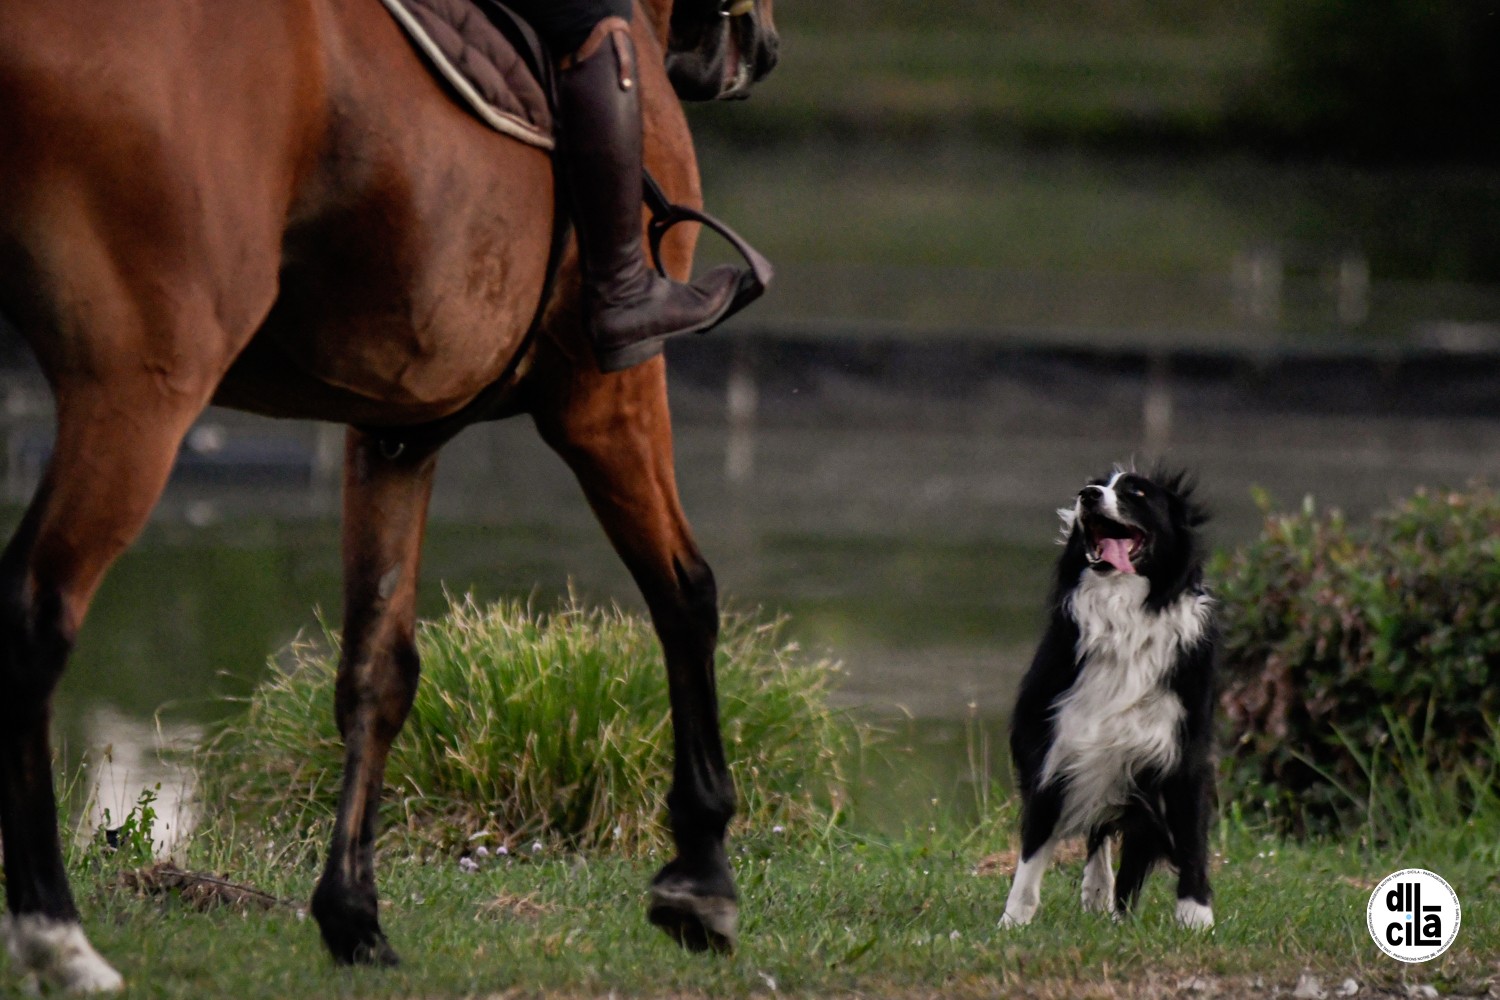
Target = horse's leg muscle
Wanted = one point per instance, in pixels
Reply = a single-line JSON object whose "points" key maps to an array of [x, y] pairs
{"points": [[385, 511], [615, 434]]}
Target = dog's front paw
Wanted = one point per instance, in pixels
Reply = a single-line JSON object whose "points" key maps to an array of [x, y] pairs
{"points": [[1194, 915], [1017, 917], [1098, 899]]}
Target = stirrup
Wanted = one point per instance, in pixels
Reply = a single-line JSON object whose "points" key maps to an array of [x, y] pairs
{"points": [[665, 214]]}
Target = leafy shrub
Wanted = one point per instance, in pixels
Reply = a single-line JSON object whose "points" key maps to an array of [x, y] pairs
{"points": [[1356, 654], [535, 726]]}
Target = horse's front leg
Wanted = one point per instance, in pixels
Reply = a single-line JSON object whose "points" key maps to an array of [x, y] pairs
{"points": [[616, 436], [385, 511], [105, 476]]}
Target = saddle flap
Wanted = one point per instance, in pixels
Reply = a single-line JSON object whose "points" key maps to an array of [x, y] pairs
{"points": [[481, 64]]}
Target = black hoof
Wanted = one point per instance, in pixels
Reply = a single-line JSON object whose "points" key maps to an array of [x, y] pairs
{"points": [[376, 953], [696, 922], [353, 936], [371, 949]]}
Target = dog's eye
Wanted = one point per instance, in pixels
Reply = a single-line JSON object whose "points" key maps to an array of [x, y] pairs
{"points": [[1135, 491]]}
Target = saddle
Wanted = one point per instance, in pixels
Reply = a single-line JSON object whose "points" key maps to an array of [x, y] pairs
{"points": [[491, 58]]}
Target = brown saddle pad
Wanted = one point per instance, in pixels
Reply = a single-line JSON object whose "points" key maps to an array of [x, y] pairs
{"points": [[480, 63]]}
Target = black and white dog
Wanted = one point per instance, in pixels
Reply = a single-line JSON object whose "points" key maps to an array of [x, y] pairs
{"points": [[1112, 727]]}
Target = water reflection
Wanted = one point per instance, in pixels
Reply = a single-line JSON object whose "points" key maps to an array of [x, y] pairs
{"points": [[128, 763]]}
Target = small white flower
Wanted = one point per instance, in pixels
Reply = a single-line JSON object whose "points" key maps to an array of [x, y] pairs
{"points": [[536, 847], [954, 935], [778, 828], [482, 851], [467, 864], [502, 851]]}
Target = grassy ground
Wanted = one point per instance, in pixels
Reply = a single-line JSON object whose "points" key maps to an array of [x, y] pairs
{"points": [[828, 910], [905, 918]]}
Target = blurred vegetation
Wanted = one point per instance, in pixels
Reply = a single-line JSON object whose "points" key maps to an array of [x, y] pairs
{"points": [[1409, 79], [1364, 667], [528, 725]]}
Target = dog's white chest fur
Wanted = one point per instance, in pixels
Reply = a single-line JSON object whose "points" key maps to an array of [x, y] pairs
{"points": [[1120, 717]]}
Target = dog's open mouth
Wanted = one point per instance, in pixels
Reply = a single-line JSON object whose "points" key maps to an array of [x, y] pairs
{"points": [[1118, 545]]}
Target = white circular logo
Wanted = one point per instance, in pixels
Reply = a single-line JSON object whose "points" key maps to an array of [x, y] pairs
{"points": [[1413, 915]]}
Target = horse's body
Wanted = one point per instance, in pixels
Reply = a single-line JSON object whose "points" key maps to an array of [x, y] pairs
{"points": [[272, 206]]}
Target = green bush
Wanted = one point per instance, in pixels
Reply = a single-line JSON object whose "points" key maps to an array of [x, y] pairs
{"points": [[1355, 656], [550, 726]]}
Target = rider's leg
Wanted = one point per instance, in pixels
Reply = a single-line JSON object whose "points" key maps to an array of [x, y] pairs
{"points": [[630, 309]]}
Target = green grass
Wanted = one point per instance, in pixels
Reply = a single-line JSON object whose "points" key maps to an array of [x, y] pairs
{"points": [[913, 916], [828, 909], [527, 724]]}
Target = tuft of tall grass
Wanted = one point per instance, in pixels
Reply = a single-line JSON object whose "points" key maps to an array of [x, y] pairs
{"points": [[535, 726], [1415, 801]]}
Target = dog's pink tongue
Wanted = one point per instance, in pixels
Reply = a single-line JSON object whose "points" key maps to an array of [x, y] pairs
{"points": [[1116, 552]]}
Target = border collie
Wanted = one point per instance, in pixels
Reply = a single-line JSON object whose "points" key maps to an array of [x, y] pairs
{"points": [[1112, 727]]}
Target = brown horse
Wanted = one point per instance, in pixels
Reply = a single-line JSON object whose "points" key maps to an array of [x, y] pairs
{"points": [[271, 206]]}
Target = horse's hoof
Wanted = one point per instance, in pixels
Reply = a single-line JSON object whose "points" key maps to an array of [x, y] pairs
{"points": [[350, 927], [58, 957], [359, 943], [696, 922], [377, 954], [373, 951]]}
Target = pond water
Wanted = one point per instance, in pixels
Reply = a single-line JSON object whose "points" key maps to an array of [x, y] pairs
{"points": [[895, 503]]}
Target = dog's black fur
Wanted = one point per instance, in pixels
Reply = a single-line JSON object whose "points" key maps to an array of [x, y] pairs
{"points": [[1122, 661]]}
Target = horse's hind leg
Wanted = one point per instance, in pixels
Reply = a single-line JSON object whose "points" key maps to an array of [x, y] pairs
{"points": [[385, 510], [116, 442], [618, 442]]}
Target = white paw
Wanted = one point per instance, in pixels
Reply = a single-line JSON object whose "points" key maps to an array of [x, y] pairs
{"points": [[1018, 917], [59, 955], [1098, 895], [1194, 915]]}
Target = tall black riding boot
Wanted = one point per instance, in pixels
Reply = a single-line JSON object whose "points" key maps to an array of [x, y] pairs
{"points": [[630, 309]]}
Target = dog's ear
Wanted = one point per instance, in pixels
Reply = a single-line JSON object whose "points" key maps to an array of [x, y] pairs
{"points": [[1067, 515], [1187, 514], [1181, 486]]}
